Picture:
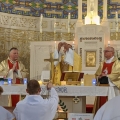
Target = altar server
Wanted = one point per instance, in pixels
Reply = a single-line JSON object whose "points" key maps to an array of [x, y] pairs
{"points": [[34, 107], [110, 110], [5, 114]]}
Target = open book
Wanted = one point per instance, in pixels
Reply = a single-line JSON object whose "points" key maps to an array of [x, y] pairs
{"points": [[72, 75]]}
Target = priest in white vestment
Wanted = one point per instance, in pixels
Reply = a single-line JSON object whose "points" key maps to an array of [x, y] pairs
{"points": [[13, 68], [69, 60], [34, 107], [5, 114], [110, 110]]}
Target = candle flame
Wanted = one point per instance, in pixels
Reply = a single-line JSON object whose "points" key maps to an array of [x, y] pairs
{"points": [[73, 42]]}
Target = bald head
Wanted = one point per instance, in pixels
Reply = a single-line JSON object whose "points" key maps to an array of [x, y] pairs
{"points": [[109, 52]]}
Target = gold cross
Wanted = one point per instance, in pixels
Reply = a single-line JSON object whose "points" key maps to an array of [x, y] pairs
{"points": [[51, 60]]}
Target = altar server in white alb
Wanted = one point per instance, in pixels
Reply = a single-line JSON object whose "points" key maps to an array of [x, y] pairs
{"points": [[110, 110], [34, 107], [5, 114]]}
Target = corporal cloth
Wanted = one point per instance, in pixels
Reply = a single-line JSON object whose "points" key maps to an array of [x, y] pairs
{"points": [[34, 107]]}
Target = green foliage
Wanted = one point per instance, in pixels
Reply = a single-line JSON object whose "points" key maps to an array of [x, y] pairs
{"points": [[63, 106]]}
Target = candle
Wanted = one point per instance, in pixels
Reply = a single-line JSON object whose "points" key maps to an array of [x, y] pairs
{"points": [[63, 83], [94, 82], [69, 16], [108, 43], [54, 27], [9, 81], [40, 82], [82, 81], [116, 15], [69, 23], [41, 17], [73, 45], [55, 44], [25, 81]]}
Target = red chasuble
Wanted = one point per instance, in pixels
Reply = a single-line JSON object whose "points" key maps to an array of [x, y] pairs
{"points": [[107, 67], [14, 98]]}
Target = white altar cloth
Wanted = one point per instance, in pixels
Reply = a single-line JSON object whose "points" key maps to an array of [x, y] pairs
{"points": [[62, 90]]}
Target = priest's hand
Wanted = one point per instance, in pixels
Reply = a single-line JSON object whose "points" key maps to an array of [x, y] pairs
{"points": [[103, 74], [49, 86], [14, 66]]}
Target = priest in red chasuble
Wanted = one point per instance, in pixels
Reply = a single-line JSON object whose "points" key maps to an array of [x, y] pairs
{"points": [[14, 69], [110, 69]]}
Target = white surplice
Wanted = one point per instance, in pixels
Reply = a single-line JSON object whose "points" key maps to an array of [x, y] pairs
{"points": [[5, 114], [110, 110], [34, 107]]}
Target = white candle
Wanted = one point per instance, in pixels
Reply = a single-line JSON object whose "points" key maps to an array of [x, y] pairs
{"points": [[116, 15], [41, 17], [40, 82], [69, 16], [55, 44], [108, 43], [69, 23], [73, 45], [54, 27], [63, 83]]}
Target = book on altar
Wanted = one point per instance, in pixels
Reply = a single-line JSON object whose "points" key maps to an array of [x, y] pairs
{"points": [[45, 76], [72, 76]]}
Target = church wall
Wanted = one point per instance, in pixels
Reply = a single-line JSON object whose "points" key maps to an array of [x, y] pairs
{"points": [[20, 27]]}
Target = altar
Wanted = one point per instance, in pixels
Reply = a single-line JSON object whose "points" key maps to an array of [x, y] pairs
{"points": [[71, 98]]}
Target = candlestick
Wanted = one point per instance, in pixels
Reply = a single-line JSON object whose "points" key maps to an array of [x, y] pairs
{"points": [[41, 17]]}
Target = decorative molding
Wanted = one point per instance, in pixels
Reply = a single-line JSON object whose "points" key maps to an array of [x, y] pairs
{"points": [[90, 38], [33, 23], [100, 55]]}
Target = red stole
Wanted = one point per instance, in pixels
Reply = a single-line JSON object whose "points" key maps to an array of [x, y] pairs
{"points": [[108, 67], [14, 98]]}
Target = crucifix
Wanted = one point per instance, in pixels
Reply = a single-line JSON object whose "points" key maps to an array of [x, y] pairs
{"points": [[51, 60]]}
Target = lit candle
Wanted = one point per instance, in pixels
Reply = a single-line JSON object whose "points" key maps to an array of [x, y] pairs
{"points": [[25, 81], [69, 23], [94, 82], [116, 15], [55, 44], [63, 83], [82, 81], [41, 17], [40, 82], [108, 43]]}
